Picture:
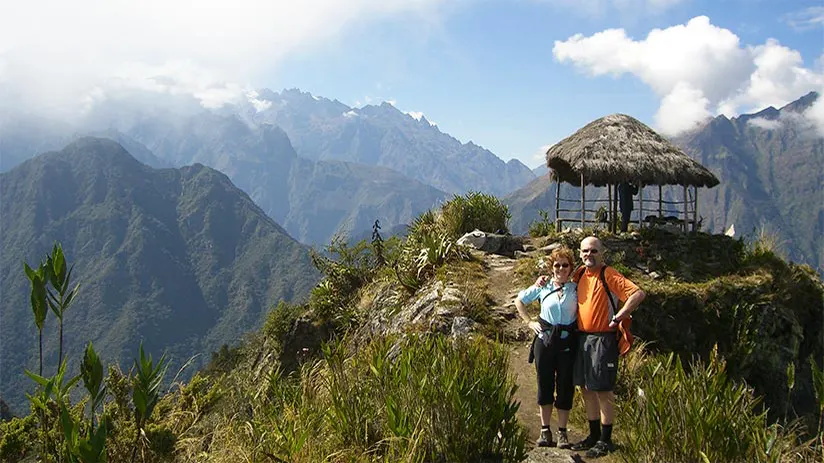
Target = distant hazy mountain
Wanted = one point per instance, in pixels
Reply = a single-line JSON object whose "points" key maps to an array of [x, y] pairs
{"points": [[369, 163], [312, 199], [22, 137], [384, 136], [540, 170], [178, 258], [771, 167]]}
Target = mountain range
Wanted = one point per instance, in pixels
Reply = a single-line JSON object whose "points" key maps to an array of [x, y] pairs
{"points": [[771, 167], [179, 259], [316, 166]]}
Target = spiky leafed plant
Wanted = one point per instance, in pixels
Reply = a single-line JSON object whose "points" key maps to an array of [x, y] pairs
{"points": [[61, 297], [39, 306], [91, 370], [50, 388], [146, 391]]}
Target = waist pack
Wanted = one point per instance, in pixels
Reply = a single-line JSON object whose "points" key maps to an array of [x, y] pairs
{"points": [[551, 338]]}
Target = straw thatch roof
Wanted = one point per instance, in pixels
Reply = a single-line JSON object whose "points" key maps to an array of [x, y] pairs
{"points": [[618, 148]]}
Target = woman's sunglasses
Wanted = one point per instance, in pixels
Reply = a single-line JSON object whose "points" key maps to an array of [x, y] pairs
{"points": [[560, 265]]}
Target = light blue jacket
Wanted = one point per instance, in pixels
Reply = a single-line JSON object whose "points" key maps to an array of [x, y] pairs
{"points": [[559, 308]]}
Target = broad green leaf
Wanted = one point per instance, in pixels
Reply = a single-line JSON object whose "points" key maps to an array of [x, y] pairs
{"points": [[39, 305], [37, 378], [30, 272], [92, 372]]}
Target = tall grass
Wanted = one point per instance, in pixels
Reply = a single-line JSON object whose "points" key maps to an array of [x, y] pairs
{"points": [[413, 399], [462, 214], [696, 413]]}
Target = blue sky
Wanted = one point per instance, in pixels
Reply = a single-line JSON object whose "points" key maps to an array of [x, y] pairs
{"points": [[513, 76], [486, 72]]}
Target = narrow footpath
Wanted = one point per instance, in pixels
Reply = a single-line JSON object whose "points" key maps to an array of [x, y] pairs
{"points": [[502, 288]]}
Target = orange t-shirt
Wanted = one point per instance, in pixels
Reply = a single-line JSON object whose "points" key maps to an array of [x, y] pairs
{"points": [[594, 309]]}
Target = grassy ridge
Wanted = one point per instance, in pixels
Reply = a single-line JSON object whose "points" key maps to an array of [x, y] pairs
{"points": [[311, 387]]}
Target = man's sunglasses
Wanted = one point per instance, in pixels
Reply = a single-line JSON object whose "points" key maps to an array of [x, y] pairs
{"points": [[560, 265], [589, 251]]}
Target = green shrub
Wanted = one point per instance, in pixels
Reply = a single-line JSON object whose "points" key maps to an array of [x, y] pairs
{"points": [[542, 227], [346, 269], [462, 214], [693, 414], [16, 438], [280, 319]]}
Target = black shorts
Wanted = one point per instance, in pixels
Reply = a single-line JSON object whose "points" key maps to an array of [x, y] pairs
{"points": [[554, 371], [596, 365]]}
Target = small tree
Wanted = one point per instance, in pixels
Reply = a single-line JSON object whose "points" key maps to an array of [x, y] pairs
{"points": [[377, 244]]}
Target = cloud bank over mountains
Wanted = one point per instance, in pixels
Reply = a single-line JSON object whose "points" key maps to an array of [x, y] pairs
{"points": [[64, 57], [699, 70]]}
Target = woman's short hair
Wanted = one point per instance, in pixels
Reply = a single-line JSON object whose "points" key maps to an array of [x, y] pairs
{"points": [[562, 253]]}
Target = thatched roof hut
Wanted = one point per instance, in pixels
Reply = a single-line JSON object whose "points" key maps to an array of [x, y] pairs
{"points": [[619, 148]]}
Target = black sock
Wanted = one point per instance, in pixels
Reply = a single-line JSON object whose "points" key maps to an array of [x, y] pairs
{"points": [[562, 429], [594, 428], [606, 432], [546, 426]]}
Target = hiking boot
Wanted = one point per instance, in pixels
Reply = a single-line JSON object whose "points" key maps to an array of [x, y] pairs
{"points": [[546, 439], [585, 444], [600, 449], [563, 440]]}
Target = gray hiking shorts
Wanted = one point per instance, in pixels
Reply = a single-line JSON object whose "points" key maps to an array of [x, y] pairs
{"points": [[596, 365]]}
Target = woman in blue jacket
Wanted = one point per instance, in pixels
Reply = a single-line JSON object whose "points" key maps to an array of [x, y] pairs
{"points": [[553, 348]]}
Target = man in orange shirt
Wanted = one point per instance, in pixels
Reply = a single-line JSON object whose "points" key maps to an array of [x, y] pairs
{"points": [[596, 365]]}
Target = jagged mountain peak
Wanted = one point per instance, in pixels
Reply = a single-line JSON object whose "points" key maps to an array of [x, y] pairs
{"points": [[801, 104]]}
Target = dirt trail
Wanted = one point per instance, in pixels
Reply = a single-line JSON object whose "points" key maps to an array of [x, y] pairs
{"points": [[503, 289]]}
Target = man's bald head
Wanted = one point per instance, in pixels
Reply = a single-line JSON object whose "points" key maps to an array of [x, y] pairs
{"points": [[592, 252]]}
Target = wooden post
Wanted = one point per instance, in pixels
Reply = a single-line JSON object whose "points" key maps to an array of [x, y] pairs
{"points": [[686, 209], [695, 210], [640, 205], [583, 201], [557, 204], [614, 207], [660, 202], [609, 214]]}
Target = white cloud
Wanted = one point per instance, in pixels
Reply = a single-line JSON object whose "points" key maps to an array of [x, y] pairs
{"points": [[53, 53], [767, 124], [540, 154], [350, 114], [816, 113], [807, 18], [257, 103], [779, 77], [682, 109], [697, 69]]}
